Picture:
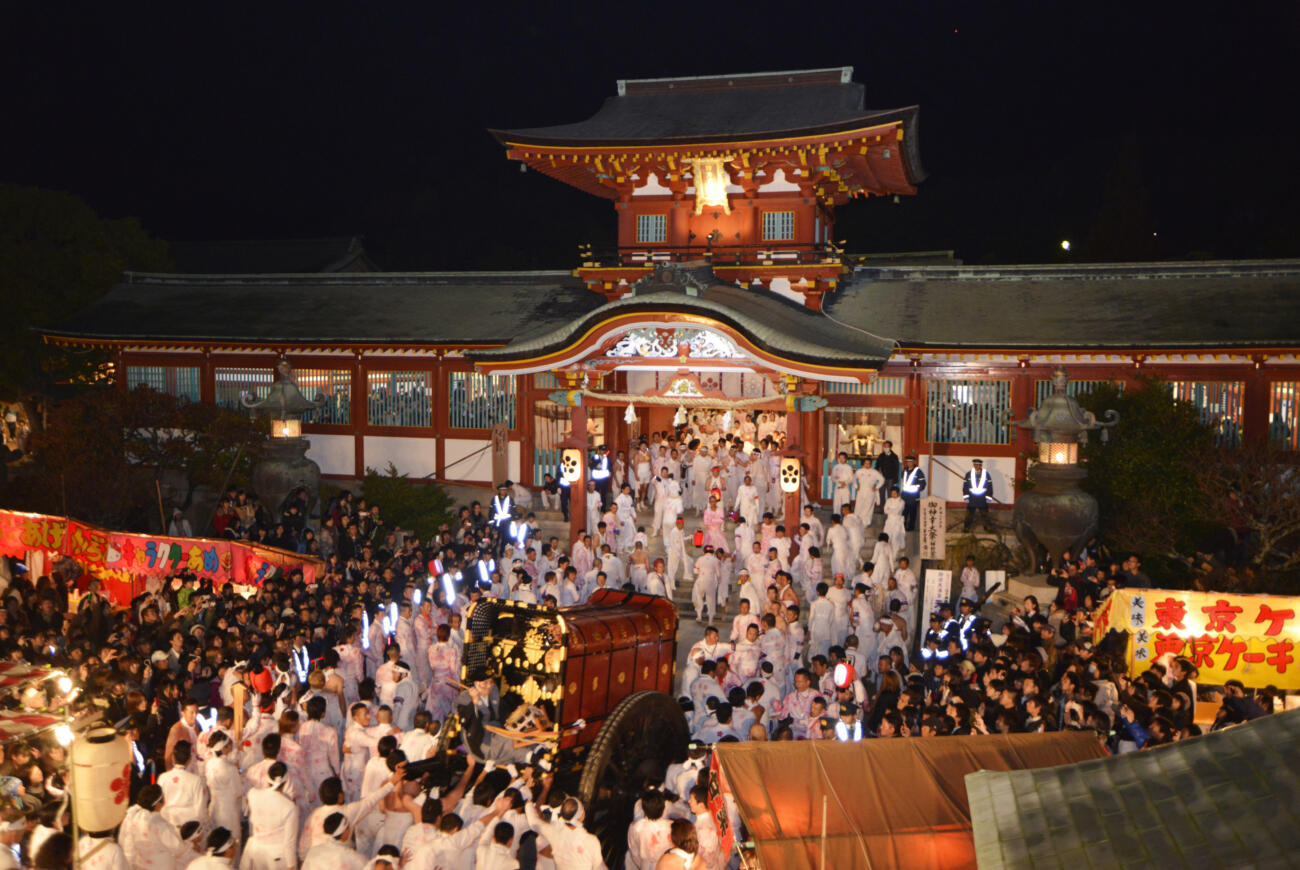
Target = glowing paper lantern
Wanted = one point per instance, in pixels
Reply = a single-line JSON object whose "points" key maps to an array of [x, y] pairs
{"points": [[711, 182], [571, 464], [844, 675], [100, 780], [790, 474]]}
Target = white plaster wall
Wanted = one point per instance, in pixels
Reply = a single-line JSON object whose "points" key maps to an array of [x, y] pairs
{"points": [[414, 456], [781, 287], [335, 454], [1002, 469], [479, 467], [779, 184], [652, 187]]}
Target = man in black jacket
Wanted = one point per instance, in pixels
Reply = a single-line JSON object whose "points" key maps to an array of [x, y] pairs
{"points": [[887, 465]]}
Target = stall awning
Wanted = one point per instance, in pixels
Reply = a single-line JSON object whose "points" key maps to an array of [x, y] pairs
{"points": [[888, 803]]}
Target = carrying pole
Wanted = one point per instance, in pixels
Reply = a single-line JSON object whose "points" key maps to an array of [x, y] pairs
{"points": [[823, 849]]}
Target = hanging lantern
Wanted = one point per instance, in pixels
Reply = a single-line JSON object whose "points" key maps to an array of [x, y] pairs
{"points": [[101, 779], [711, 180], [571, 464], [679, 419], [629, 416], [844, 675], [789, 474]]}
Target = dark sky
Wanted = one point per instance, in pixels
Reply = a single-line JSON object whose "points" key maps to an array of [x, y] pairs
{"points": [[1041, 120]]}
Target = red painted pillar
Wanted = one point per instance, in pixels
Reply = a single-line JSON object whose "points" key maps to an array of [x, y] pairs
{"points": [[1255, 405], [577, 489], [793, 447]]}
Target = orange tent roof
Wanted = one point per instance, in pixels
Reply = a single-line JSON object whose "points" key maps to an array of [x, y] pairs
{"points": [[886, 803]]}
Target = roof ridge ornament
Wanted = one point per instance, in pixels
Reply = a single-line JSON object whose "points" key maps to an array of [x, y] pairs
{"points": [[1059, 418], [690, 278], [284, 400]]}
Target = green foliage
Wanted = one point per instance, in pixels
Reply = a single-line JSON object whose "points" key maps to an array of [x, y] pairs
{"points": [[1145, 479], [57, 256], [419, 507], [102, 451]]}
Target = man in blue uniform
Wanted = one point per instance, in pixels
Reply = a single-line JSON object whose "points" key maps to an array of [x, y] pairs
{"points": [[601, 474], [912, 487], [976, 490]]}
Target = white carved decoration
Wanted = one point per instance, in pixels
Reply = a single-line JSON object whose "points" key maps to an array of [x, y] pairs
{"points": [[713, 345], [683, 388], [652, 343]]}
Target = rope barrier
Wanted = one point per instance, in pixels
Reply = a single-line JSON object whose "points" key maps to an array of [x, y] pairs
{"points": [[683, 401]]}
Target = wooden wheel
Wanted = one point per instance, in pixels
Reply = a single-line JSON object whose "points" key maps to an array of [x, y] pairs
{"points": [[646, 732]]}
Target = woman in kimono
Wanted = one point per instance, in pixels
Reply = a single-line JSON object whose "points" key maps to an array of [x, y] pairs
{"points": [[713, 522], [894, 521]]}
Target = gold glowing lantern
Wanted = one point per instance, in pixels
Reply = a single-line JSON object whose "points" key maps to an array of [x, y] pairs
{"points": [[1058, 452], [571, 464], [711, 182], [789, 474], [286, 428]]}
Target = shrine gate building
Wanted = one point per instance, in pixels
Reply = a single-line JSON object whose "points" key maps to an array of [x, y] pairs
{"points": [[726, 287]]}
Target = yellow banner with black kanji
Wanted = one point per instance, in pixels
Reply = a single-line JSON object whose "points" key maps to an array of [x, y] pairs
{"points": [[1252, 638]]}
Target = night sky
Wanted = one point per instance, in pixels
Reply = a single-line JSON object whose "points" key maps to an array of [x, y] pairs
{"points": [[1102, 123]]}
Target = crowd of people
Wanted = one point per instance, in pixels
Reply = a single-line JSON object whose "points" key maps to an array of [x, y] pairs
{"points": [[303, 727]]}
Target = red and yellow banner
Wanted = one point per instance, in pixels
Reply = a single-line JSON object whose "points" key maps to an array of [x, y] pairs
{"points": [[1252, 638], [123, 559]]}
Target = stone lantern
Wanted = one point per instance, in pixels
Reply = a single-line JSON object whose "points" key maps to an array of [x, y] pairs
{"points": [[284, 466], [1056, 516]]}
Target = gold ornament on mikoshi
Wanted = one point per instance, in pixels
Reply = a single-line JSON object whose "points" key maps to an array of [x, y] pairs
{"points": [[789, 474], [571, 464]]}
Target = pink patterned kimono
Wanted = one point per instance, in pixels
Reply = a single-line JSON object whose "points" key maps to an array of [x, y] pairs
{"points": [[714, 517], [444, 661]]}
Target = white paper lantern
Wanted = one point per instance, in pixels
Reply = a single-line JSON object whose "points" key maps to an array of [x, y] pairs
{"points": [[790, 472], [101, 779], [571, 464]]}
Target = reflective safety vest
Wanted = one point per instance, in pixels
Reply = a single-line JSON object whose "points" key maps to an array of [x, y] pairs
{"points": [[979, 482], [843, 734], [600, 470], [909, 481], [501, 509]]}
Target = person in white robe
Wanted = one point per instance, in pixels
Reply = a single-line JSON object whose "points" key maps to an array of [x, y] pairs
{"points": [[841, 477], [869, 482]]}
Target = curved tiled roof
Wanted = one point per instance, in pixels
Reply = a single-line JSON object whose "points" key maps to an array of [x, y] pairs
{"points": [[775, 324], [728, 108]]}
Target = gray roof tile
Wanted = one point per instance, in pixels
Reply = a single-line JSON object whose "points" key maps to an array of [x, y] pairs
{"points": [[417, 308], [1129, 305], [1228, 799]]}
